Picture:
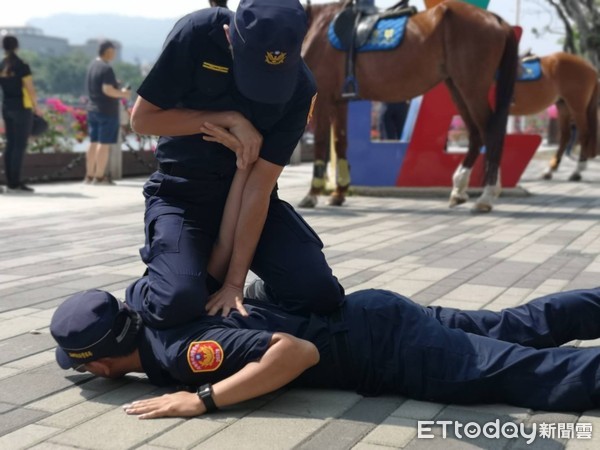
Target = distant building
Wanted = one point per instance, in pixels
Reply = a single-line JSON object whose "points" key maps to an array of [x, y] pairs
{"points": [[34, 39]]}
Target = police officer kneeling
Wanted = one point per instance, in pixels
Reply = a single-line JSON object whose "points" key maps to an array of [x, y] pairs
{"points": [[377, 342]]}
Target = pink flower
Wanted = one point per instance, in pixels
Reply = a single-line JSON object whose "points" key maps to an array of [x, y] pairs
{"points": [[57, 105]]}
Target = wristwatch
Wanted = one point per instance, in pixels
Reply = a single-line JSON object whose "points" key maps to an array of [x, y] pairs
{"points": [[205, 392]]}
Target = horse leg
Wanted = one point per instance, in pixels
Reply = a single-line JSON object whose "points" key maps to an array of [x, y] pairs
{"points": [[564, 124], [580, 167], [342, 182], [462, 174], [460, 183], [321, 147], [585, 118]]}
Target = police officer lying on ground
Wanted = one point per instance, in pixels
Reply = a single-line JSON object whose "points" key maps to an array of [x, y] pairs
{"points": [[228, 89], [376, 342]]}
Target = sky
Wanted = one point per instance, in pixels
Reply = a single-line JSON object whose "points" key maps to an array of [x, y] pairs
{"points": [[533, 14]]}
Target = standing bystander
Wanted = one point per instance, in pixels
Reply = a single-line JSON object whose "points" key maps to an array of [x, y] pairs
{"points": [[103, 113], [19, 102]]}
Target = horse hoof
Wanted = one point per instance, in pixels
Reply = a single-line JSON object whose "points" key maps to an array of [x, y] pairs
{"points": [[547, 176], [481, 208], [456, 200], [310, 201], [575, 177], [336, 200]]}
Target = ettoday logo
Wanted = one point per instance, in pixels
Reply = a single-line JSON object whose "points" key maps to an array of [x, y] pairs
{"points": [[508, 430]]}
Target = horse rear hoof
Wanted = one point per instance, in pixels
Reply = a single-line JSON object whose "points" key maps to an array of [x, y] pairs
{"points": [[575, 177], [547, 176], [481, 208], [310, 201], [337, 200]]}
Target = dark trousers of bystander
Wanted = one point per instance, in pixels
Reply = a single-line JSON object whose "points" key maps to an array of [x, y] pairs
{"points": [[18, 127]]}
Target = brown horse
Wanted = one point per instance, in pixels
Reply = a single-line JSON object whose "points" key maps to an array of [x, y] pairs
{"points": [[573, 82], [454, 42]]}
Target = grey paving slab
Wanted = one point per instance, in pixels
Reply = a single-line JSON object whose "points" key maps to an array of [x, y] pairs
{"points": [[40, 381], [72, 237], [19, 417], [352, 425], [24, 345], [276, 430], [316, 403]]}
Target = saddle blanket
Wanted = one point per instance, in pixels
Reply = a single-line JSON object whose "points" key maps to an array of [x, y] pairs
{"points": [[386, 35], [530, 70]]}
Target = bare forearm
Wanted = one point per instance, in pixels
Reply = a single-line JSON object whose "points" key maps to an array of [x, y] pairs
{"points": [[283, 362], [111, 91], [285, 359], [149, 119], [253, 213], [221, 254]]}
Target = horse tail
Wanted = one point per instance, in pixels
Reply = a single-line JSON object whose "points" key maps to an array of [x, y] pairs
{"points": [[592, 120], [507, 76]]}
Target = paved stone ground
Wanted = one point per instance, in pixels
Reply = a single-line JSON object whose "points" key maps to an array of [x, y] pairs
{"points": [[68, 237]]}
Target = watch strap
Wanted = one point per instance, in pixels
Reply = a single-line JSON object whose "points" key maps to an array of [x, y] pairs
{"points": [[205, 392]]}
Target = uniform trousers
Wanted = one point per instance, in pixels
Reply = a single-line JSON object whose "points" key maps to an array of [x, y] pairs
{"points": [[457, 356], [182, 220]]}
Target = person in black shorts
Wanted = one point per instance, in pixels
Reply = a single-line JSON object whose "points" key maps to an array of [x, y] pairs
{"points": [[20, 101], [103, 113]]}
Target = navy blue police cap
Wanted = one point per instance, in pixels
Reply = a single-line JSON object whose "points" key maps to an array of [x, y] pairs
{"points": [[91, 325], [266, 37]]}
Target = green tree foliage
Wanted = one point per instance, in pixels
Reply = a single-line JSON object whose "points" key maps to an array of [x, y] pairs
{"points": [[582, 26], [64, 76]]}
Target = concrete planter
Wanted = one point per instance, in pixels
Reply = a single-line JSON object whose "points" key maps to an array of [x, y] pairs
{"points": [[45, 167]]}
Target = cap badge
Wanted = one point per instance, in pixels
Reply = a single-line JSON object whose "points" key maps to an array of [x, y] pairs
{"points": [[275, 58], [204, 356]]}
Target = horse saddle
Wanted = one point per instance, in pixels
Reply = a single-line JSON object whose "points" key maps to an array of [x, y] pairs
{"points": [[353, 28], [530, 69]]}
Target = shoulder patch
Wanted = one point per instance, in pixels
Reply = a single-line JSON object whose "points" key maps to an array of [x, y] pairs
{"points": [[204, 356]]}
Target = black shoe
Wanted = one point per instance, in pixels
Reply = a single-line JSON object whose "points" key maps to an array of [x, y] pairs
{"points": [[20, 188]]}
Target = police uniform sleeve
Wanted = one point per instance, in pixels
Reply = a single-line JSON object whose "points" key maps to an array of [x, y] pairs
{"points": [[172, 74], [219, 353], [279, 144]]}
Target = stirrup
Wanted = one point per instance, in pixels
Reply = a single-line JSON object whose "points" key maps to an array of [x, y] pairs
{"points": [[350, 89]]}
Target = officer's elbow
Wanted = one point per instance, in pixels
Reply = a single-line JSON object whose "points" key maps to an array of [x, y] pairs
{"points": [[142, 115], [310, 354], [296, 352], [138, 122]]}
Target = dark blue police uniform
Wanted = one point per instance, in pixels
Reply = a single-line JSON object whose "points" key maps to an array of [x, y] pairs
{"points": [[381, 342], [186, 197]]}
